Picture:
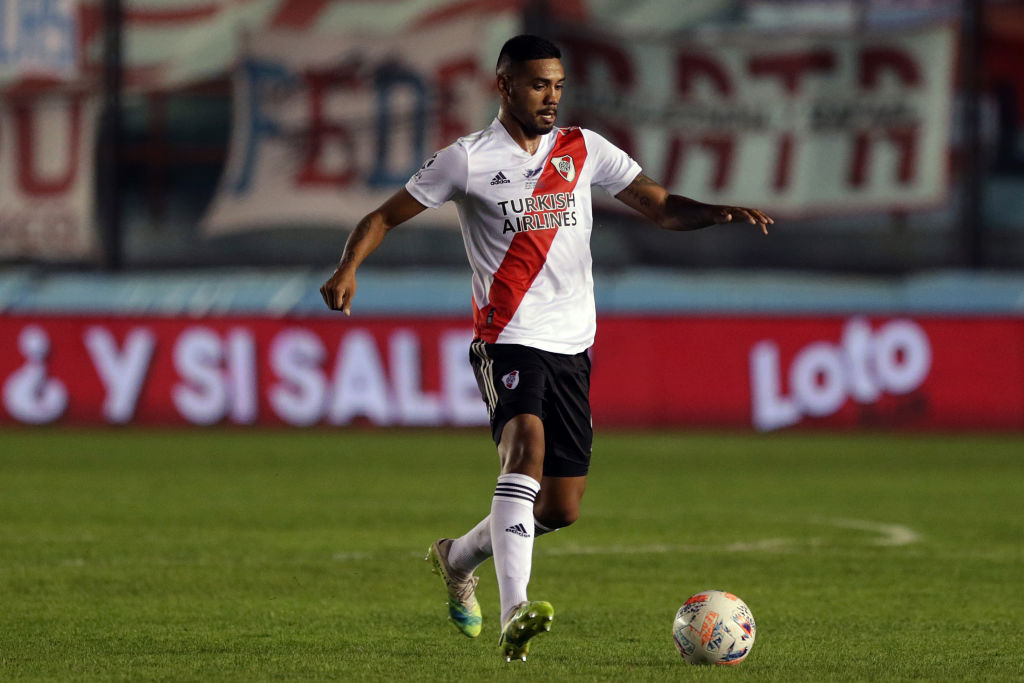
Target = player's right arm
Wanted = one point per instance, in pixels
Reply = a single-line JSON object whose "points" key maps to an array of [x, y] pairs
{"points": [[367, 236]]}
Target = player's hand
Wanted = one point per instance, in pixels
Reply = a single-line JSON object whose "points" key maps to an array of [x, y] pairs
{"points": [[339, 290], [738, 214]]}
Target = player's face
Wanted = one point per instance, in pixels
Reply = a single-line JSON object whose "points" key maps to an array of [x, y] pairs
{"points": [[530, 93]]}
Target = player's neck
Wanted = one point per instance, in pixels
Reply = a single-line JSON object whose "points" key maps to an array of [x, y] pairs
{"points": [[528, 142]]}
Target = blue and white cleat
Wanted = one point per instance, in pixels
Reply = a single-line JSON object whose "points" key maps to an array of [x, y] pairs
{"points": [[528, 620], [463, 609]]}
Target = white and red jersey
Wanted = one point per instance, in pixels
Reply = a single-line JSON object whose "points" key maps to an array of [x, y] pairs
{"points": [[526, 221]]}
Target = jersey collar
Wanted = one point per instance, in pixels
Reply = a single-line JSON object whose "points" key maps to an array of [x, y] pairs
{"points": [[502, 133]]}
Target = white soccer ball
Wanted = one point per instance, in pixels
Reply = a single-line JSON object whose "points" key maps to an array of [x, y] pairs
{"points": [[714, 627]]}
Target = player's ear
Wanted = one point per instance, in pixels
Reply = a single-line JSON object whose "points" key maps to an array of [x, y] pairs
{"points": [[504, 85]]}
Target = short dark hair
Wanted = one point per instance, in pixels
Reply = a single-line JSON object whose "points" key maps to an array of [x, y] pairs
{"points": [[525, 47]]}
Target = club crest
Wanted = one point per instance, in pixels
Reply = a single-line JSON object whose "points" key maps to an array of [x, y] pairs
{"points": [[511, 380], [565, 167]]}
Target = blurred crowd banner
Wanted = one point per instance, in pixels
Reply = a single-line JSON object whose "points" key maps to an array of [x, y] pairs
{"points": [[327, 127], [330, 118], [48, 126], [38, 38], [766, 373], [47, 197], [795, 124], [323, 119]]}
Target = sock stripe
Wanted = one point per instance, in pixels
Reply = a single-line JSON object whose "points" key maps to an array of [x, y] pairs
{"points": [[510, 496], [512, 491], [517, 496], [516, 487]]}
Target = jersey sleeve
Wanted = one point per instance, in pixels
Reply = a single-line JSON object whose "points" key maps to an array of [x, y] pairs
{"points": [[614, 170], [440, 178]]}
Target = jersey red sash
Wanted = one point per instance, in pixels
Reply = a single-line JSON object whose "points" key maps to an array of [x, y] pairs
{"points": [[528, 250]]}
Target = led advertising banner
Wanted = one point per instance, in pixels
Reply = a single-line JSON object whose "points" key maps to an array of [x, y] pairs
{"points": [[765, 373]]}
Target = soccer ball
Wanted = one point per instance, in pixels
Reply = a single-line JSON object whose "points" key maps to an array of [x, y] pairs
{"points": [[714, 627]]}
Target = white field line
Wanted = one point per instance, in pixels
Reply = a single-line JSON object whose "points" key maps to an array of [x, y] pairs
{"points": [[352, 556], [769, 544], [886, 535], [890, 535]]}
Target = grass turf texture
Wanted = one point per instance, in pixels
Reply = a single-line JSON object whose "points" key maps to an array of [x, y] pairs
{"points": [[243, 555]]}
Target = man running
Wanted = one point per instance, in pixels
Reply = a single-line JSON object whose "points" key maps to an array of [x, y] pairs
{"points": [[522, 189]]}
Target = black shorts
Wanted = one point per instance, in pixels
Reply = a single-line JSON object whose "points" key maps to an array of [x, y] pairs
{"points": [[516, 380]]}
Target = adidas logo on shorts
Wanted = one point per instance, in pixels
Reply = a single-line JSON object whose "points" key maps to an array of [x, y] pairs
{"points": [[518, 530], [499, 179]]}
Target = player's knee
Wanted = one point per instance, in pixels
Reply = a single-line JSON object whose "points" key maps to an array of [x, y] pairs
{"points": [[558, 518]]}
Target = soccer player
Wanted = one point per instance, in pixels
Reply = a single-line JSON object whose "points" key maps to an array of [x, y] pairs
{"points": [[522, 189]]}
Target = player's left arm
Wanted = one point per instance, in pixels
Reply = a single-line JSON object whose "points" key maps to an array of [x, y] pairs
{"points": [[675, 212]]}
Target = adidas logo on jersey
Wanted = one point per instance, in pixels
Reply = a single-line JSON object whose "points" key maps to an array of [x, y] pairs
{"points": [[518, 530], [499, 179]]}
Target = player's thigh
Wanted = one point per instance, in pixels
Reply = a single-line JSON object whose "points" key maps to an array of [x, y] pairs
{"points": [[568, 427], [512, 381], [521, 446]]}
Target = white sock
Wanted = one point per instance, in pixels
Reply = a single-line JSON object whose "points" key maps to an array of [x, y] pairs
{"points": [[512, 537], [470, 550]]}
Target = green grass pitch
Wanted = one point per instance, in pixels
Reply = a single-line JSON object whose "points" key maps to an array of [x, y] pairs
{"points": [[254, 555]]}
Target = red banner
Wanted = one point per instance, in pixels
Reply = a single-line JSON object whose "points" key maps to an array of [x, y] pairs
{"points": [[761, 372]]}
